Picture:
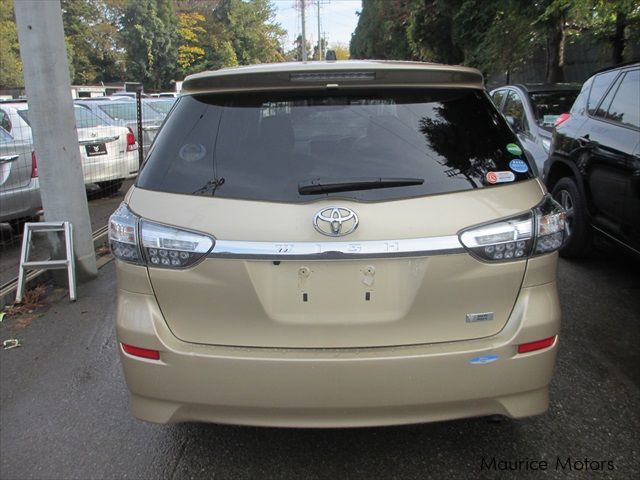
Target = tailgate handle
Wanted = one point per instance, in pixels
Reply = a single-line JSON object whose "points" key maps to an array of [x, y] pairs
{"points": [[9, 158]]}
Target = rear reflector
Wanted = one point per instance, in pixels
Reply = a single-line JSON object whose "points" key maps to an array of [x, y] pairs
{"points": [[141, 352], [34, 165], [537, 345]]}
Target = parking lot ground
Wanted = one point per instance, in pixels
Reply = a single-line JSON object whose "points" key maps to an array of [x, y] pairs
{"points": [[64, 412]]}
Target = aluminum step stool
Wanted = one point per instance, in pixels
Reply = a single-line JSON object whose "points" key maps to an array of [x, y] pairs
{"points": [[68, 263]]}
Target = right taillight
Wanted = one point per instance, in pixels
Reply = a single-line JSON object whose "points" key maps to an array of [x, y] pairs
{"points": [[561, 119], [131, 141], [140, 241], [34, 165], [537, 232]]}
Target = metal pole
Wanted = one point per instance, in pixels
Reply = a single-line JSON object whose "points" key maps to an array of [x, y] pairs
{"points": [[304, 33], [139, 118], [319, 37], [46, 78]]}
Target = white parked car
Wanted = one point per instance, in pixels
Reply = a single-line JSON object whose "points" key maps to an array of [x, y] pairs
{"points": [[109, 153]]}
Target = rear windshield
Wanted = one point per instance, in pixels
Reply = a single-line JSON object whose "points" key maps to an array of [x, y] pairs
{"points": [[265, 146], [128, 111], [548, 106], [84, 118]]}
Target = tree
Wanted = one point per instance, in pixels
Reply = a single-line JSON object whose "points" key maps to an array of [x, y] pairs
{"points": [[191, 34], [381, 30], [10, 63], [148, 29], [431, 31], [93, 41], [342, 51]]}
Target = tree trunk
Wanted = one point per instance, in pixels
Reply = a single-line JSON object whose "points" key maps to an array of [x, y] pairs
{"points": [[617, 40], [555, 51]]}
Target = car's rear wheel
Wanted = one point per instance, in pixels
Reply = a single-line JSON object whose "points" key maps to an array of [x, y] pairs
{"points": [[17, 225], [580, 240], [111, 187]]}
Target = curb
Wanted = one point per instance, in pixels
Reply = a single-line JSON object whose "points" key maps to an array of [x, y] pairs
{"points": [[39, 276]]}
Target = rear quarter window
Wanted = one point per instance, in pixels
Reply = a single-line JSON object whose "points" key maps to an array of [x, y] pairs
{"points": [[262, 146]]}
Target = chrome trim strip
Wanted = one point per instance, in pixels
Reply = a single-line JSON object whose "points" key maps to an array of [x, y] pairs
{"points": [[410, 247], [98, 141]]}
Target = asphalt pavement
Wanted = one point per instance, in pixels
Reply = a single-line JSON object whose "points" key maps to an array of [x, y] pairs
{"points": [[64, 412]]}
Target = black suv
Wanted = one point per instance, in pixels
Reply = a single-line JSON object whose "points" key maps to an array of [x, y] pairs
{"points": [[594, 166]]}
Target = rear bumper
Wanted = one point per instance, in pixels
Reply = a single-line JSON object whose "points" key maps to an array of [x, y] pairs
{"points": [[341, 387], [23, 202]]}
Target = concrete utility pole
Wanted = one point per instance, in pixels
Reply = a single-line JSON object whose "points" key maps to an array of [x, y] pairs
{"points": [[53, 124], [304, 33], [319, 36]]}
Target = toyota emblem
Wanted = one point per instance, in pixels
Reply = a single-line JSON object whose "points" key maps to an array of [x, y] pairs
{"points": [[335, 221]]}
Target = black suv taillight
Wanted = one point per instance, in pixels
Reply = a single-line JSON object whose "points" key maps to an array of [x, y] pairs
{"points": [[540, 231]]}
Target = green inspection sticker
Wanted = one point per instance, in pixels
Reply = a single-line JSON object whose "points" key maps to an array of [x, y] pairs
{"points": [[514, 149]]}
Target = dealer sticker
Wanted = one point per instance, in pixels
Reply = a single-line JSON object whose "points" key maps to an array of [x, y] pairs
{"points": [[483, 360], [518, 165], [514, 149], [500, 177]]}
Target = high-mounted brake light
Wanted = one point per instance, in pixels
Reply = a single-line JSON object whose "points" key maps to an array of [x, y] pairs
{"points": [[561, 119], [34, 165], [331, 76], [537, 345], [131, 141], [143, 242], [538, 232], [141, 352]]}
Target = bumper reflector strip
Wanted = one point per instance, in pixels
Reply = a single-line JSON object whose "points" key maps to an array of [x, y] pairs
{"points": [[537, 345], [141, 352]]}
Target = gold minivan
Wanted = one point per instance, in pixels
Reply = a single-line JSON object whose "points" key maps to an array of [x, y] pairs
{"points": [[337, 244]]}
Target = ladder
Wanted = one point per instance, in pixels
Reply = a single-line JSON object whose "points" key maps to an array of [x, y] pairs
{"points": [[67, 263]]}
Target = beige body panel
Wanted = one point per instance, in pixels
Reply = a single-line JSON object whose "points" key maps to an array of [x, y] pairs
{"points": [[316, 303], [336, 388]]}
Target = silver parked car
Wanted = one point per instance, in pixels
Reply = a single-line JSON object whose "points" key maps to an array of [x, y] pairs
{"points": [[19, 188]]}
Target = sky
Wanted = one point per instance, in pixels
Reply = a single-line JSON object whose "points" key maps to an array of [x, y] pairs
{"points": [[338, 20]]}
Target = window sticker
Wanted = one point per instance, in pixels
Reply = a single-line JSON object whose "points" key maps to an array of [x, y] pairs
{"points": [[500, 177], [518, 165], [192, 152], [514, 149]]}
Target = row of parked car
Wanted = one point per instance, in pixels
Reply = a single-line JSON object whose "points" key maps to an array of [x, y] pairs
{"points": [[108, 143], [585, 142]]}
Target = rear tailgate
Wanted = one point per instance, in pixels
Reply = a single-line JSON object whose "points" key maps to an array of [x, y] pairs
{"points": [[310, 302]]}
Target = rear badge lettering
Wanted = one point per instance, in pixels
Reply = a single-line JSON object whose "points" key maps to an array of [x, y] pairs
{"points": [[514, 149], [500, 177], [483, 360], [519, 166], [479, 317]]}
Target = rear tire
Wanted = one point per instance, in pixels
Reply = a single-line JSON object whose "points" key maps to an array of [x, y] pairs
{"points": [[18, 225], [580, 240], [111, 187]]}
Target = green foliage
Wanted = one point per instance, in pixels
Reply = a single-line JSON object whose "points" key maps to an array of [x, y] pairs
{"points": [[149, 34], [10, 63], [381, 30]]}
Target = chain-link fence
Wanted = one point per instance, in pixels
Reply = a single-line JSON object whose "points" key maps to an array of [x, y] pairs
{"points": [[108, 140]]}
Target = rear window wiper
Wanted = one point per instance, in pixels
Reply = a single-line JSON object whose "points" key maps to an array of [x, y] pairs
{"points": [[330, 185]]}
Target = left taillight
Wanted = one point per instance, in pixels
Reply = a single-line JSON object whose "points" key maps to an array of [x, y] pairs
{"points": [[131, 141], [540, 231], [139, 241], [34, 165]]}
